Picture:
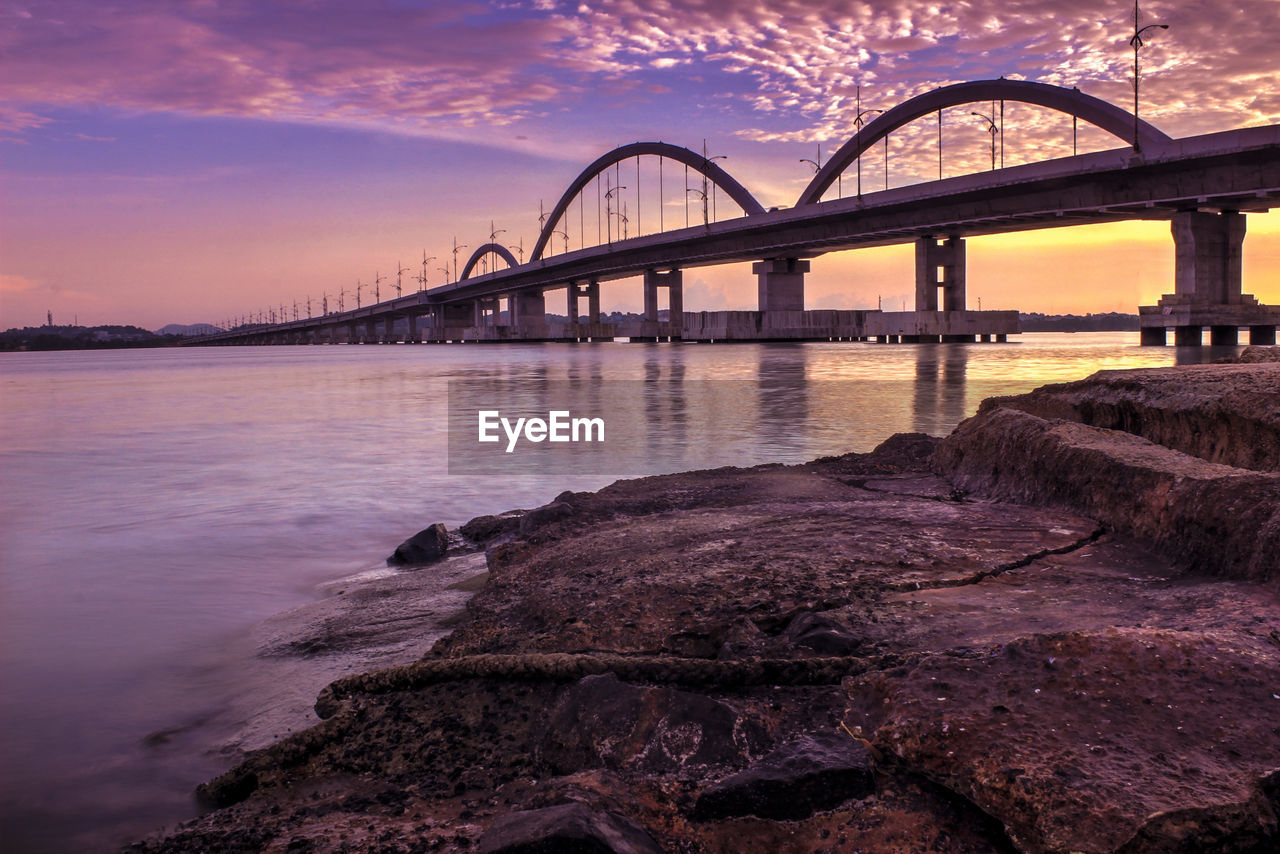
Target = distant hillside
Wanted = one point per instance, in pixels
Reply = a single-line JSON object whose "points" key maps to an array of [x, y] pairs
{"points": [[82, 338], [1109, 322], [186, 329]]}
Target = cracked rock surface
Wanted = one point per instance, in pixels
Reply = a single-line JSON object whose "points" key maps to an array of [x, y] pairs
{"points": [[969, 645]]}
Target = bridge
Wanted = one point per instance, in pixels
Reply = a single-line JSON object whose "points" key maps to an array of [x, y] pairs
{"points": [[1203, 185]]}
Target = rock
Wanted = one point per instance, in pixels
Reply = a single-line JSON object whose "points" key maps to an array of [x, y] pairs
{"points": [[809, 774], [426, 546], [544, 516], [1253, 355], [482, 530], [1125, 740], [1210, 518], [604, 722], [821, 634], [1227, 414], [565, 829]]}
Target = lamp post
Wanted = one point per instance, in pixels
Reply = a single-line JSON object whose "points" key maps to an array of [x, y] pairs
{"points": [[993, 129], [456, 247], [1137, 43], [706, 163], [399, 272], [422, 280], [705, 222], [858, 121], [563, 234], [608, 212]]}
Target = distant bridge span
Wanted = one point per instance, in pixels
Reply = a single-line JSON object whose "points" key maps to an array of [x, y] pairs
{"points": [[1202, 184]]}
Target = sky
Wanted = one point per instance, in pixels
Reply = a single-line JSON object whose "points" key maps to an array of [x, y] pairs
{"points": [[185, 161]]}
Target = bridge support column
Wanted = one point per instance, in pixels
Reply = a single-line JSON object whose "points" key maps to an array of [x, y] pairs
{"points": [[351, 333], [371, 331], [389, 330], [780, 283], [529, 314], [1208, 284], [940, 266], [1208, 251], [673, 281], [412, 335]]}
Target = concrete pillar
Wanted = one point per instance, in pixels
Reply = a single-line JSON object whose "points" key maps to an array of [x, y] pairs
{"points": [[412, 336], [1262, 335], [388, 330], [371, 331], [1224, 335], [673, 281], [528, 307], [780, 283], [1187, 336], [1153, 336], [351, 333], [940, 264], [1207, 256], [593, 302]]}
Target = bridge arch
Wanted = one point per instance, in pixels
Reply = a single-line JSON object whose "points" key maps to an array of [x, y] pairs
{"points": [[692, 159], [1095, 111], [496, 248]]}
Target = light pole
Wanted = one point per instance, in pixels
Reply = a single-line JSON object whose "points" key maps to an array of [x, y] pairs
{"points": [[1136, 42], [422, 280], [399, 272], [991, 126], [359, 286], [565, 235], [858, 121], [705, 222], [608, 211], [456, 247], [706, 164]]}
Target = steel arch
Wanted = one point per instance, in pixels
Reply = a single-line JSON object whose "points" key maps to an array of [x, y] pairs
{"points": [[1093, 110], [497, 248], [712, 171]]}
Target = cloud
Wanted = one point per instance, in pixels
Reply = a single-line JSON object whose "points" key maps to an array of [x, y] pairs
{"points": [[14, 284], [788, 69]]}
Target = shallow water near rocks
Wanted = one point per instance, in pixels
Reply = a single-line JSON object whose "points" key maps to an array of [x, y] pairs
{"points": [[181, 529]]}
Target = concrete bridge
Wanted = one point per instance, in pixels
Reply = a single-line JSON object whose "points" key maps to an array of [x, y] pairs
{"points": [[1202, 185]]}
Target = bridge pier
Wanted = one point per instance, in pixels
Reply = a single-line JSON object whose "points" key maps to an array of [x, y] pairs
{"points": [[673, 281], [940, 266], [590, 290], [780, 283], [1208, 286]]}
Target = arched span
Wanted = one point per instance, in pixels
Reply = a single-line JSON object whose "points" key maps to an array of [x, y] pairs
{"points": [[714, 173], [497, 248], [1097, 112]]}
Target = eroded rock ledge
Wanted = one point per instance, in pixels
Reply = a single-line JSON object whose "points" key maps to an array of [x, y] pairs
{"points": [[1039, 634]]}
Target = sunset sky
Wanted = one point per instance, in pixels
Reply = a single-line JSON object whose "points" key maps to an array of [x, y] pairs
{"points": [[185, 161]]}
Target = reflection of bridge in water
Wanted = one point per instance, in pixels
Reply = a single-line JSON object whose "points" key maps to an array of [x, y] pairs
{"points": [[1203, 185]]}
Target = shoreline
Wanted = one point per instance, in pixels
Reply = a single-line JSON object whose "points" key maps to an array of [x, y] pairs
{"points": [[736, 666]]}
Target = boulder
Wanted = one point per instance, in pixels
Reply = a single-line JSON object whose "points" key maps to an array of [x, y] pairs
{"points": [[565, 829], [809, 774], [485, 529], [821, 634], [544, 516], [426, 546]]}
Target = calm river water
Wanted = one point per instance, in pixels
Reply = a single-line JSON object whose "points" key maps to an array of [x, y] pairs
{"points": [[157, 505]]}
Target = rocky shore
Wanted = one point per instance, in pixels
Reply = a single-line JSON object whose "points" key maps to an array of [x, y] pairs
{"points": [[1055, 630]]}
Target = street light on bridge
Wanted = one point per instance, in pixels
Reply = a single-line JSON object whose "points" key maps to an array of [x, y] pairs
{"points": [[1137, 43], [994, 129], [565, 235], [858, 121], [399, 272], [456, 247], [705, 222], [422, 280], [608, 211]]}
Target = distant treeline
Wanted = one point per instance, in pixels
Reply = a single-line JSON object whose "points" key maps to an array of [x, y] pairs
{"points": [[83, 338], [1112, 321]]}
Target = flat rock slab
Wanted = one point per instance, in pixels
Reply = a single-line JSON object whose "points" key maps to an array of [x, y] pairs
{"points": [[1227, 414], [1082, 741], [565, 829]]}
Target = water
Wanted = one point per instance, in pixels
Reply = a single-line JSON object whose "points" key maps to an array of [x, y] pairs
{"points": [[158, 505]]}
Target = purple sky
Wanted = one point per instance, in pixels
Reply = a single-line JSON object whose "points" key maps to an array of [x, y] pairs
{"points": [[192, 161]]}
